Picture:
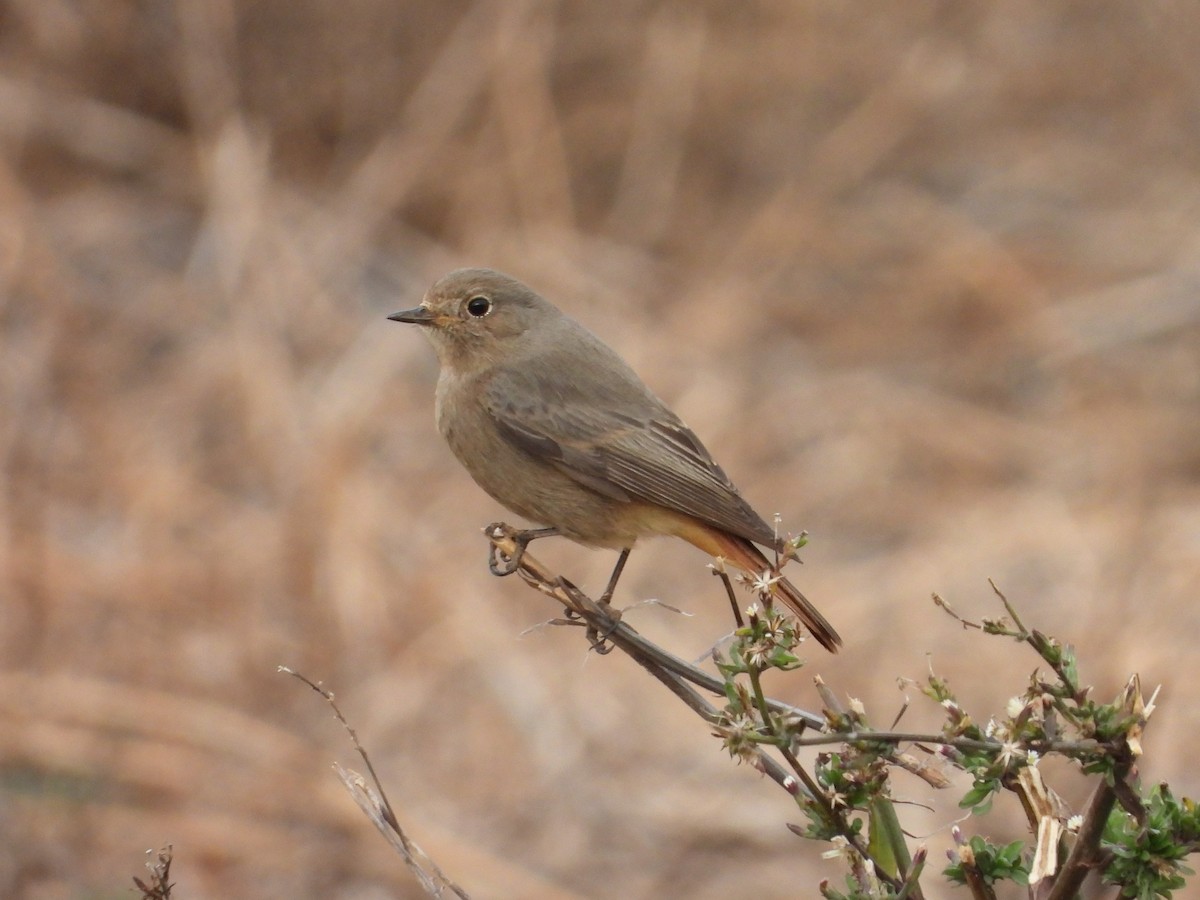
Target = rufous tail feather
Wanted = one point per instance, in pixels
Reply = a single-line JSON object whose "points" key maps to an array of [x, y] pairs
{"points": [[747, 557]]}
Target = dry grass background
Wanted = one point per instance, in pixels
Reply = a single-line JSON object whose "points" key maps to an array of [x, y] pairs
{"points": [[926, 277]]}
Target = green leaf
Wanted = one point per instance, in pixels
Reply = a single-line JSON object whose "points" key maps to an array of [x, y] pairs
{"points": [[885, 838]]}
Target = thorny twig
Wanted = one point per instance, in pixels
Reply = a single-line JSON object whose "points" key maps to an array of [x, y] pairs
{"points": [[600, 620]]}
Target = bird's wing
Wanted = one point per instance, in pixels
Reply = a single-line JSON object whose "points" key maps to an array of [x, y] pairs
{"points": [[617, 439]]}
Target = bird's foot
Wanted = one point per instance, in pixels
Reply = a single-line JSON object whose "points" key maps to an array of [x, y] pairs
{"points": [[499, 562], [599, 640]]}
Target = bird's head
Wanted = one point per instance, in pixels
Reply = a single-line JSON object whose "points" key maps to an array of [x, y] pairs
{"points": [[476, 317]]}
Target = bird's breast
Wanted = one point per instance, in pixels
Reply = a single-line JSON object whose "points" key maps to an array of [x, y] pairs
{"points": [[526, 485]]}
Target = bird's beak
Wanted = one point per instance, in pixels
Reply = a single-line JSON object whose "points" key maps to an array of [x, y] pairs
{"points": [[419, 315]]}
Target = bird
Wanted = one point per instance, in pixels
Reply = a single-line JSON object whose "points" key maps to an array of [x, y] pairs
{"points": [[557, 428]]}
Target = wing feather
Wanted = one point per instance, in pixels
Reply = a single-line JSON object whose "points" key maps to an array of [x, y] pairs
{"points": [[618, 439]]}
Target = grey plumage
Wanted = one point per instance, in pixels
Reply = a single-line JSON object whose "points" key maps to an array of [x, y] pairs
{"points": [[555, 426]]}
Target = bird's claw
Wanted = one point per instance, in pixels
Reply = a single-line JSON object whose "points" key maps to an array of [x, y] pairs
{"points": [[501, 564], [600, 642]]}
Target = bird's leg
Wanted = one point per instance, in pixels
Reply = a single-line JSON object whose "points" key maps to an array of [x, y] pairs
{"points": [[606, 597], [598, 640], [499, 564]]}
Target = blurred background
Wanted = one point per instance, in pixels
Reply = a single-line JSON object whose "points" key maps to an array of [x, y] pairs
{"points": [[925, 278]]}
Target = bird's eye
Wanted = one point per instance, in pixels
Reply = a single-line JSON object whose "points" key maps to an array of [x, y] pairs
{"points": [[479, 306]]}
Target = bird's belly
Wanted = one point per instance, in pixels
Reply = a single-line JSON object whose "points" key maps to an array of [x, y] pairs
{"points": [[536, 490]]}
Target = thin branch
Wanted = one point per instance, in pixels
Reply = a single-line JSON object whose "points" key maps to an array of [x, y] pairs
{"points": [[373, 801], [159, 886], [672, 671], [719, 571], [1012, 612], [1087, 842], [606, 622], [329, 698], [1081, 748]]}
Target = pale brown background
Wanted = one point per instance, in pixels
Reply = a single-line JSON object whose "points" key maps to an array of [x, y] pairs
{"points": [[925, 276]]}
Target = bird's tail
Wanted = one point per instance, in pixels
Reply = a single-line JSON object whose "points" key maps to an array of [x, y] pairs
{"points": [[747, 557]]}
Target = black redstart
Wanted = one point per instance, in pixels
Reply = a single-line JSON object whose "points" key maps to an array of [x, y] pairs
{"points": [[557, 428]]}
